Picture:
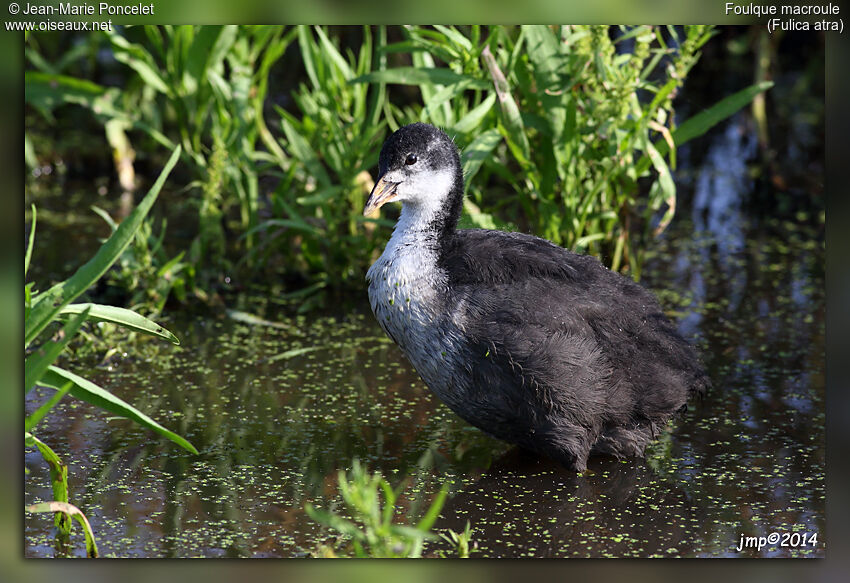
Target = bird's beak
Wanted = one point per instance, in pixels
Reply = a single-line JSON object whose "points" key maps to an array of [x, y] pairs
{"points": [[384, 192]]}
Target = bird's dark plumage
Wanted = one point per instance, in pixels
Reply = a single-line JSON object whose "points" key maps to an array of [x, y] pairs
{"points": [[529, 342]]}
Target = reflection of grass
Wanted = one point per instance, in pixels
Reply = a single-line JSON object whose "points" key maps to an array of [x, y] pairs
{"points": [[373, 530]]}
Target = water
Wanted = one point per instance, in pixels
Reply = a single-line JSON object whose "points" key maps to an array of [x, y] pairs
{"points": [[749, 460]]}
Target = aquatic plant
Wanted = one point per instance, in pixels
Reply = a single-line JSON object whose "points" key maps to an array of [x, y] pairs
{"points": [[569, 132], [331, 139], [373, 530], [43, 308], [585, 113]]}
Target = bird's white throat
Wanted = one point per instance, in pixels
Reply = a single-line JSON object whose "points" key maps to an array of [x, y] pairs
{"points": [[406, 283], [423, 197]]}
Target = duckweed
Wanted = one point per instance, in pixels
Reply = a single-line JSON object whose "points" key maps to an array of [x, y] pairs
{"points": [[273, 432]]}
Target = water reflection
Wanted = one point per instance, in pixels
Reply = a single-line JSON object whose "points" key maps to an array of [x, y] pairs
{"points": [[274, 432]]}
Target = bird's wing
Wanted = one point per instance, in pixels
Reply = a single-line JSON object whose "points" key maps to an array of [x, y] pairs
{"points": [[481, 257], [556, 319]]}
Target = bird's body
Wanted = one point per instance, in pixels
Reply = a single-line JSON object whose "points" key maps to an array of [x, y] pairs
{"points": [[527, 341]]}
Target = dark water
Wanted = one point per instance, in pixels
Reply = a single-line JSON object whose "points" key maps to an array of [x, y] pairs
{"points": [[274, 430]]}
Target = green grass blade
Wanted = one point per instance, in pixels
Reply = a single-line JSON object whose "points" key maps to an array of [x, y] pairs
{"points": [[45, 91], [420, 76], [388, 509], [39, 413], [544, 52], [333, 55], [433, 512], [76, 513], [517, 140], [89, 392], [28, 256], [665, 184], [122, 316], [455, 36], [200, 55], [705, 120], [48, 304], [300, 148], [105, 216], [334, 521], [440, 98], [479, 150], [378, 93], [305, 43], [472, 119], [58, 477], [138, 59], [665, 180], [37, 363]]}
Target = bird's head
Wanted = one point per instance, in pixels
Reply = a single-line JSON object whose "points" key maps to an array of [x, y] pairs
{"points": [[420, 167]]}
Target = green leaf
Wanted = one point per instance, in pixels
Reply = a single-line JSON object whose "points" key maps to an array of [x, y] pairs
{"points": [[39, 413], [200, 54], [73, 511], [322, 196], [45, 91], [705, 120], [440, 98], [296, 223], [479, 150], [516, 138], [544, 52], [122, 316], [420, 76], [89, 392], [30, 244], [49, 303], [332, 54], [388, 510], [37, 363], [300, 149], [105, 216], [433, 512], [58, 478], [665, 184], [305, 43], [138, 59], [665, 180], [472, 119], [455, 36], [331, 520]]}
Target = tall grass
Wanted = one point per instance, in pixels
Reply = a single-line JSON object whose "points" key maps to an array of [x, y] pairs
{"points": [[331, 143], [568, 132], [42, 309]]}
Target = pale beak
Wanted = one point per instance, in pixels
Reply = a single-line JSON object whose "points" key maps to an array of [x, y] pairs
{"points": [[384, 192]]}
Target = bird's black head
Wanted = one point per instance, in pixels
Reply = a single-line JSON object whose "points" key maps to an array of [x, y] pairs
{"points": [[420, 166]]}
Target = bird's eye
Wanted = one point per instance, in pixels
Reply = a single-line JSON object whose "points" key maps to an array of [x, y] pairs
{"points": [[411, 159]]}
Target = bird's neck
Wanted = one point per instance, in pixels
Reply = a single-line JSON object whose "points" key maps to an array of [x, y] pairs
{"points": [[431, 224]]}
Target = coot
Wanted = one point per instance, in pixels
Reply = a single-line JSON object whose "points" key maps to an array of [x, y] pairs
{"points": [[531, 343]]}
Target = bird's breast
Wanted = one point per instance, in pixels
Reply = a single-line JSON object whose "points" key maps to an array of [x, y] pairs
{"points": [[407, 293]]}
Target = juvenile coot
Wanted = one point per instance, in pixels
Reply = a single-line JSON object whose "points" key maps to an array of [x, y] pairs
{"points": [[533, 344]]}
